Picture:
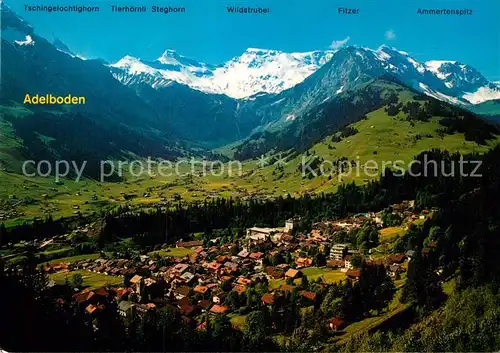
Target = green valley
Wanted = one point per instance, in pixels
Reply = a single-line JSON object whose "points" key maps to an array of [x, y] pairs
{"points": [[376, 141]]}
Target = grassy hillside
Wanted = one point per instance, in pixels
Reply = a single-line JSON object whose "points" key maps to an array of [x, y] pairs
{"points": [[10, 145], [468, 321], [91, 279], [490, 110]]}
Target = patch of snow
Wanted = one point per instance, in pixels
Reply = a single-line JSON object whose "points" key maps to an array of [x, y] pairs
{"points": [[420, 68], [381, 55], [134, 66], [438, 95], [483, 94], [78, 56], [269, 71], [28, 41], [278, 101], [434, 65]]}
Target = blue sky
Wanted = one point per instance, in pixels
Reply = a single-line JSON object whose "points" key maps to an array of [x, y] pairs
{"points": [[206, 32]]}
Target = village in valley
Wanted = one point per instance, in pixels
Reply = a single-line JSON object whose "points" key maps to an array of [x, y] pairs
{"points": [[199, 278]]}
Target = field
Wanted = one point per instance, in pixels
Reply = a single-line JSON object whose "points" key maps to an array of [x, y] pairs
{"points": [[76, 258], [276, 283], [91, 279], [449, 286], [388, 234], [56, 251], [173, 252], [237, 321], [313, 273], [329, 275]]}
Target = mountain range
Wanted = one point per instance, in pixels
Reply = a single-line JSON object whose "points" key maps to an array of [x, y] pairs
{"points": [[255, 71], [175, 106], [271, 71]]}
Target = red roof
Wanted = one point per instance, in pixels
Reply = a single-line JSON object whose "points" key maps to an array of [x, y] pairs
{"points": [[219, 309], [183, 290], [189, 244], [93, 308], [309, 295], [292, 273], [269, 270], [268, 298], [200, 289], [287, 288], [187, 309], [102, 292], [213, 265], [90, 308], [82, 297], [239, 289], [182, 302], [222, 258], [202, 326], [204, 304], [395, 258], [335, 263], [255, 255], [353, 273], [303, 262], [243, 280], [337, 323]]}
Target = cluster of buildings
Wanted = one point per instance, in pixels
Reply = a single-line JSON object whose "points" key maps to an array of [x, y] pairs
{"points": [[200, 282]]}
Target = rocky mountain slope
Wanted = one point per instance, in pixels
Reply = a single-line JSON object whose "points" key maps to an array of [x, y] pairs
{"points": [[113, 123]]}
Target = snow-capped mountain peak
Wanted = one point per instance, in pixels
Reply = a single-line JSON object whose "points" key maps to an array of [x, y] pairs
{"points": [[172, 58], [259, 50], [134, 66], [269, 71], [446, 80], [455, 73], [168, 57], [168, 68], [464, 80], [434, 65]]}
